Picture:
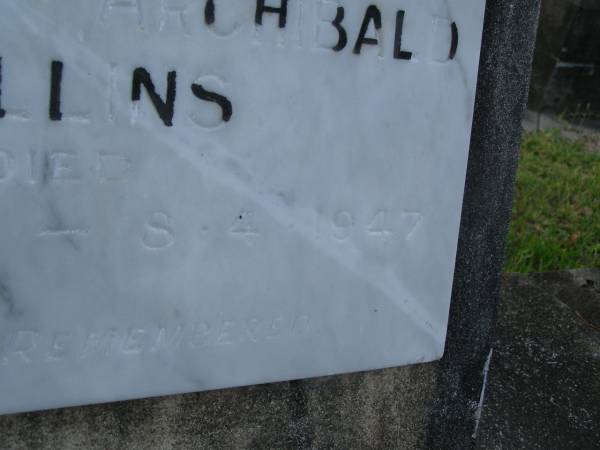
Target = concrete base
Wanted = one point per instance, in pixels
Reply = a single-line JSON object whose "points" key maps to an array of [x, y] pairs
{"points": [[544, 383], [383, 409]]}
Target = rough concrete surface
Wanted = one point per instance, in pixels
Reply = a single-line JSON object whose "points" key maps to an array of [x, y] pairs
{"points": [[379, 410], [543, 387]]}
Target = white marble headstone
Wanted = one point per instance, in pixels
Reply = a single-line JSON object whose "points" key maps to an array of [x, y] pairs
{"points": [[204, 194]]}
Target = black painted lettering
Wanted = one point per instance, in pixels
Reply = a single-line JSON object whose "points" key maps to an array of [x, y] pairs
{"points": [[222, 101], [454, 44], [55, 90], [261, 8], [371, 15], [209, 12], [337, 23], [398, 52], [166, 108], [2, 111]]}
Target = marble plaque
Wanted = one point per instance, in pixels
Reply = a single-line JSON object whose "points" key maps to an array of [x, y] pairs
{"points": [[202, 194]]}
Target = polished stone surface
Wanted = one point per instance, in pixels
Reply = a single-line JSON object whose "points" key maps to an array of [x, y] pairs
{"points": [[277, 210]]}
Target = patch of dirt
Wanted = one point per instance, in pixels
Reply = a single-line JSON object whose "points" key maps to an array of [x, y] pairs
{"points": [[591, 141]]}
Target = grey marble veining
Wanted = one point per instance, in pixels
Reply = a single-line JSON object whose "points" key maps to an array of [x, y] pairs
{"points": [[191, 204]]}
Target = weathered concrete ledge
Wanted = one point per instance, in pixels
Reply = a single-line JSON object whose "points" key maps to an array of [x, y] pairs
{"points": [[383, 409], [544, 383]]}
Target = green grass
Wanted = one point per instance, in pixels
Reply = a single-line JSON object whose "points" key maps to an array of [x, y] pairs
{"points": [[556, 217]]}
